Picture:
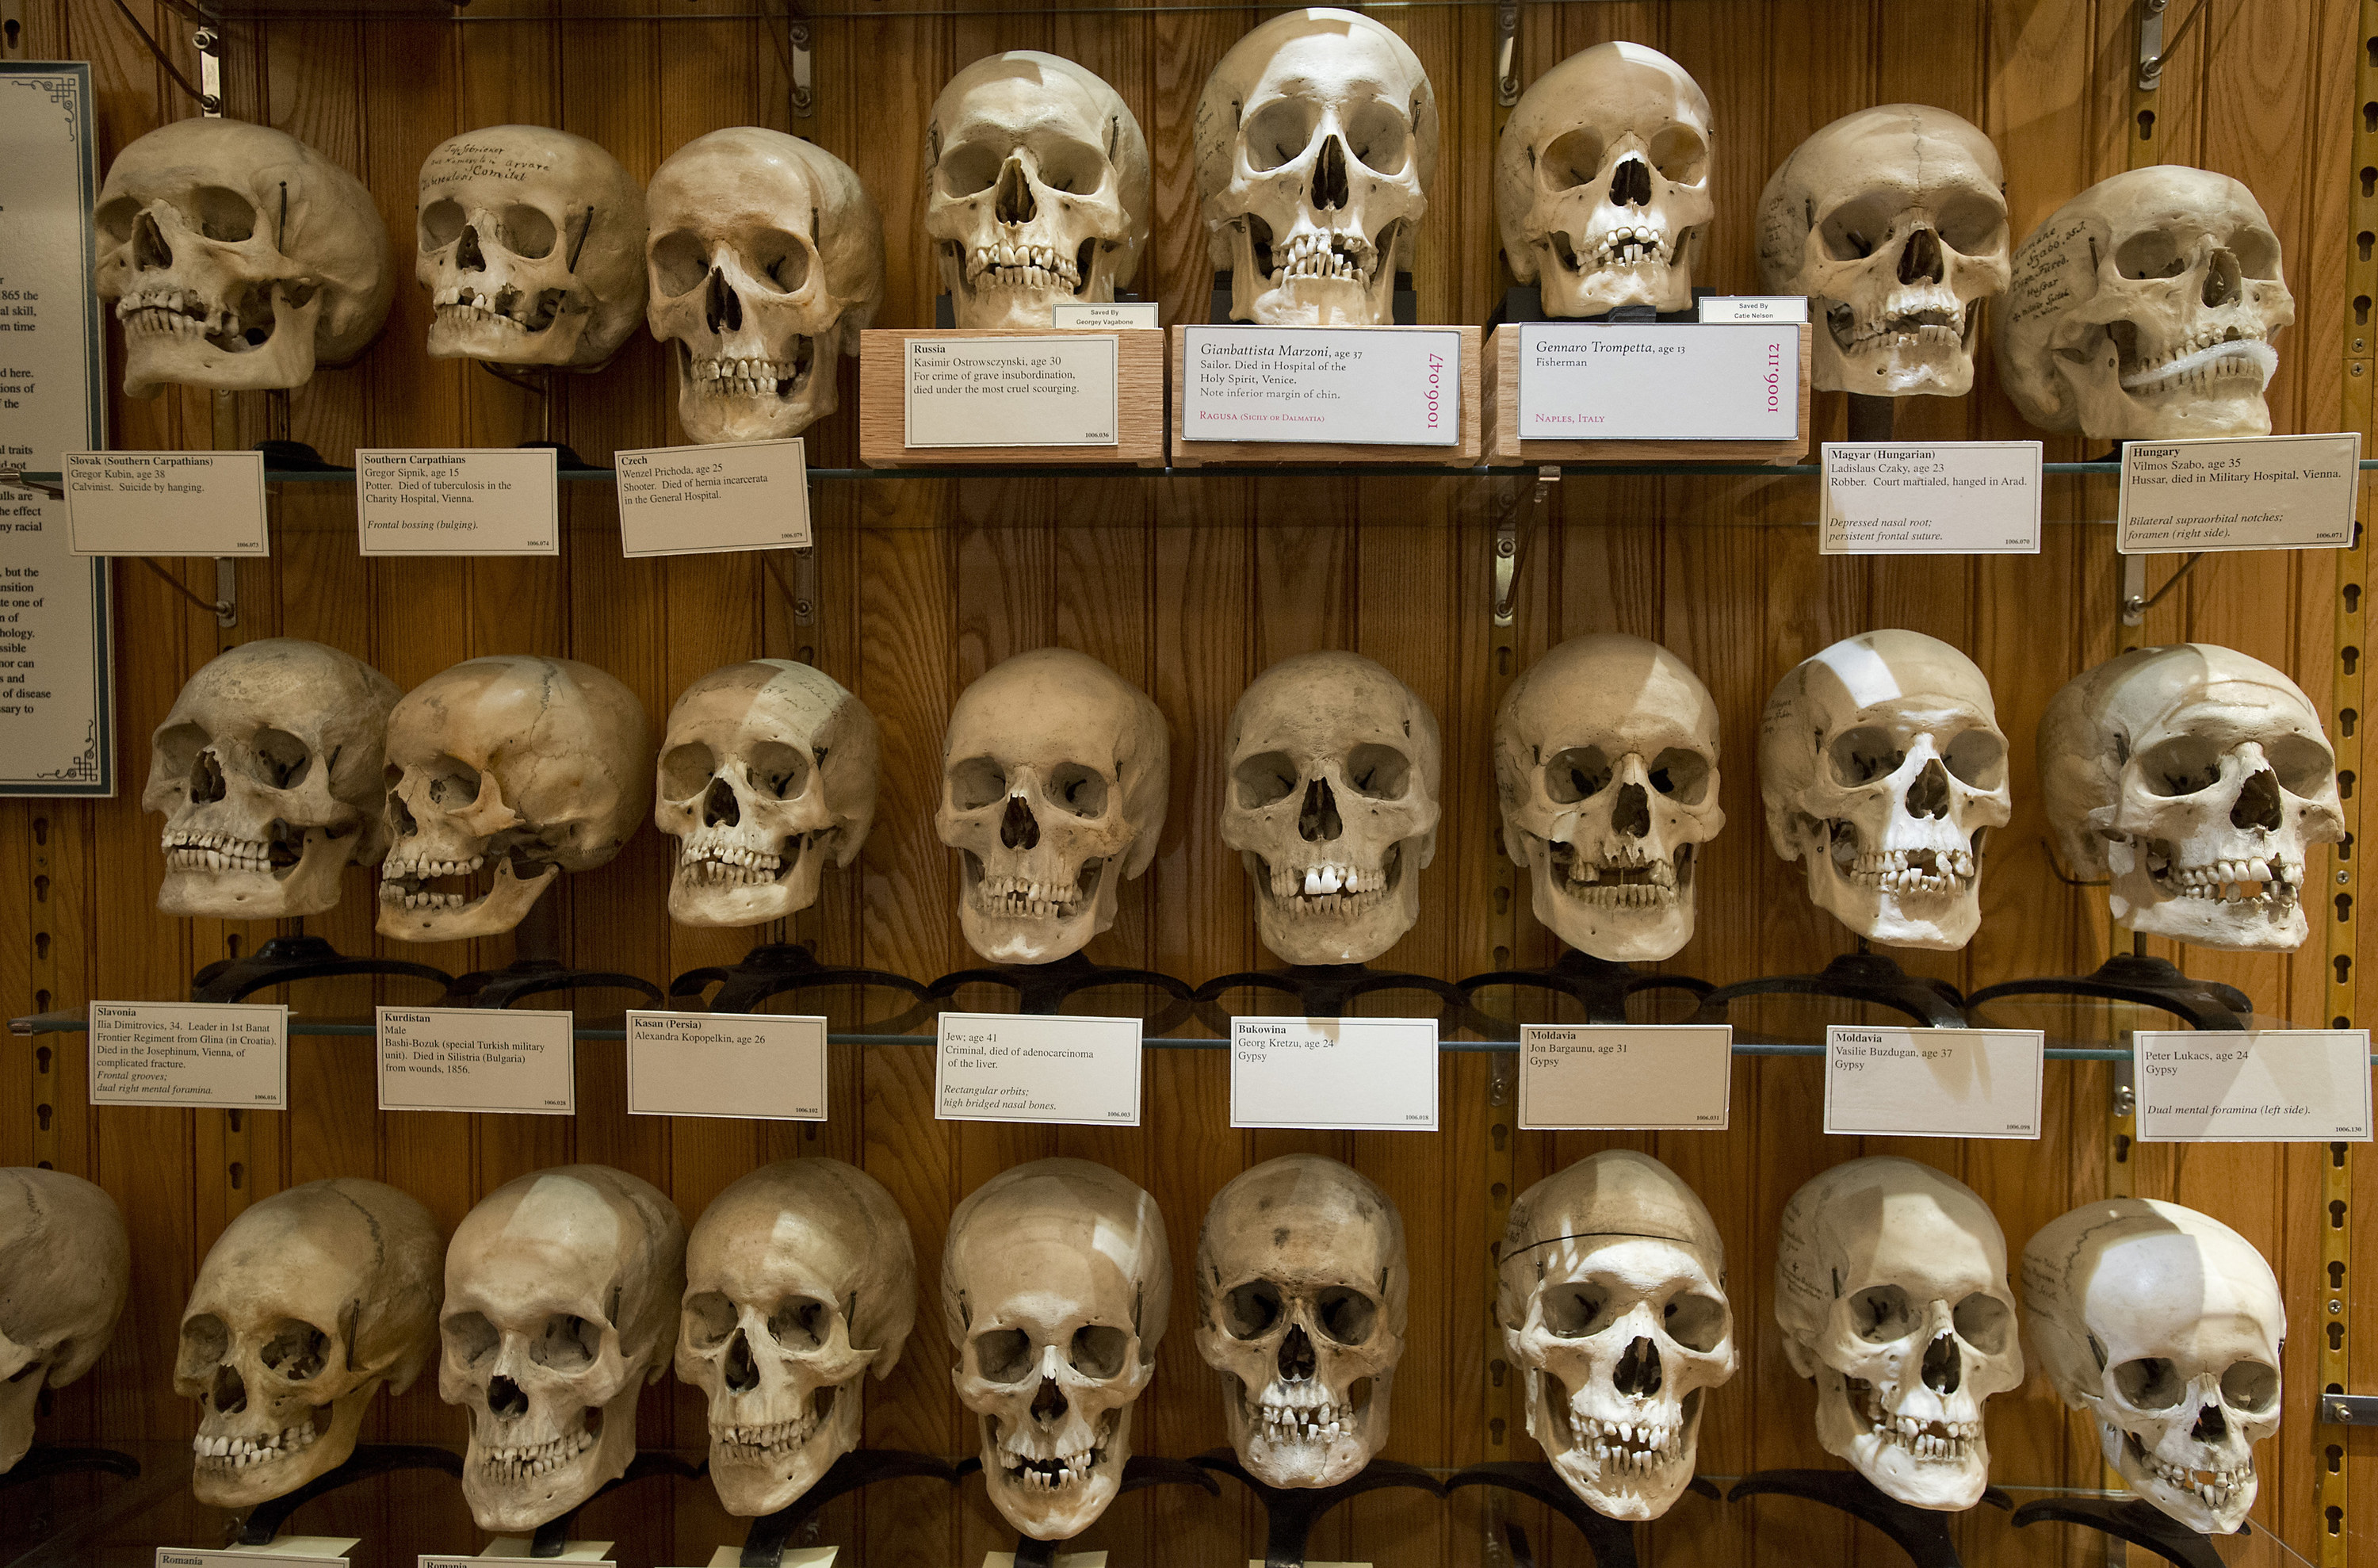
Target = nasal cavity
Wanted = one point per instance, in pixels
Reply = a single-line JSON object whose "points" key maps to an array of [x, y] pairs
{"points": [[2211, 1425], [1014, 203], [1944, 1365], [1632, 815], [205, 779], [719, 807], [1329, 177], [721, 306], [149, 246], [1318, 821], [2258, 804], [737, 1368], [1919, 259], [466, 251], [2221, 285], [1297, 1361], [230, 1392], [1017, 829], [1631, 185], [1638, 1370], [505, 1399], [1930, 794], [1048, 1404]]}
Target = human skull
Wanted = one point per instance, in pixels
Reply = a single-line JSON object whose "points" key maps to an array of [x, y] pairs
{"points": [[1331, 804], [798, 1278], [2144, 310], [307, 1302], [2165, 1326], [561, 1302], [1893, 222], [2197, 779], [65, 1267], [1606, 760], [531, 244], [1054, 776], [1601, 182], [765, 263], [503, 764], [268, 771], [1612, 1303], [1039, 189], [767, 771], [1882, 765], [238, 258], [1055, 1283], [1302, 1286], [1891, 1289], [1317, 141]]}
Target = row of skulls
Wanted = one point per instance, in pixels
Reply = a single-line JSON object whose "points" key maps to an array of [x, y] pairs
{"points": [[2145, 308], [566, 1291], [2194, 778]]}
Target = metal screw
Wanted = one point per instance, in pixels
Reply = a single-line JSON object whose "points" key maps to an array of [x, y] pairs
{"points": [[2343, 877], [206, 40], [2334, 1307]]}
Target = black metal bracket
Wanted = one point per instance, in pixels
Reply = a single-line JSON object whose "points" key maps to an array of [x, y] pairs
{"points": [[1326, 991], [2143, 981], [1140, 1472], [1612, 1541], [772, 969], [1291, 1511], [43, 1462], [264, 1523], [552, 1537], [764, 1543], [1921, 1532], [1853, 977], [285, 961], [2128, 1519], [1872, 419], [1598, 985], [525, 978], [1045, 988]]}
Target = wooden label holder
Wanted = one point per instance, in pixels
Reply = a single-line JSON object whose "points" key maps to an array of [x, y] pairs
{"points": [[883, 404]]}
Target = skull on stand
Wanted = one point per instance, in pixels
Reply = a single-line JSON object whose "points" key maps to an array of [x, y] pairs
{"points": [[308, 1301], [798, 1278], [268, 773], [1883, 769], [1039, 189], [238, 258], [65, 1266], [1055, 1283], [1605, 761], [561, 1303], [1302, 1286], [1613, 1304], [1891, 1289], [2165, 1326], [1316, 139], [765, 263], [1601, 182]]}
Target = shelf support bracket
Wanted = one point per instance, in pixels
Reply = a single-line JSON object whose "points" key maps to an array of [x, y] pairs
{"points": [[802, 93], [1504, 609], [1507, 47]]}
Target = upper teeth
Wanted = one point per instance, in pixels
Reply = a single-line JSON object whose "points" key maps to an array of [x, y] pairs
{"points": [[1309, 254], [534, 1459], [1015, 895], [236, 1451], [774, 1438], [1911, 871], [1942, 1440], [1008, 265], [188, 851], [2273, 879], [1328, 886]]}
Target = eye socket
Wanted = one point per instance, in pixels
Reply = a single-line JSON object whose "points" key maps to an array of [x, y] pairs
{"points": [[285, 759], [2257, 251], [976, 782], [297, 1350], [1881, 1314], [780, 770], [470, 1337], [205, 1341], [1863, 755], [1345, 1315], [2303, 765], [441, 223], [2185, 764], [2150, 253], [2150, 1383], [1577, 1310], [1378, 773], [803, 1322], [1579, 774], [1071, 168], [1265, 779], [709, 1319], [1278, 133], [1098, 1351], [527, 232], [566, 1343], [2250, 1386], [1983, 1322], [116, 218], [1378, 137], [177, 749], [1003, 1356], [224, 214], [969, 168], [779, 260], [1079, 790], [456, 786], [1249, 1311], [1680, 155], [679, 262], [1683, 775], [1970, 223], [1978, 759], [1573, 158], [1694, 1321], [1857, 228], [687, 769]]}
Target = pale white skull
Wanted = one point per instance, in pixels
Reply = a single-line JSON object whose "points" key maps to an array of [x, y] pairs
{"points": [[1055, 772], [1605, 762], [1891, 1289], [1039, 188], [2165, 1326], [1302, 1289], [1612, 1303], [765, 263], [1601, 182], [561, 1303], [798, 1278], [238, 258], [1055, 1283], [1332, 804], [306, 1305], [65, 1268], [1882, 765], [2144, 310], [1316, 139], [1893, 222], [268, 771], [531, 244], [511, 771], [768, 772], [2197, 779]]}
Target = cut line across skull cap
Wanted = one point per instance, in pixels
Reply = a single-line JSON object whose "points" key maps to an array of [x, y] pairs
{"points": [[65, 1267]]}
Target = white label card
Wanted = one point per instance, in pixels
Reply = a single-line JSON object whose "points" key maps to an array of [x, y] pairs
{"points": [[1061, 1560], [1620, 1076], [234, 1054], [477, 500], [1680, 382], [282, 1551], [1348, 1075], [1075, 316], [1360, 386], [165, 502], [1933, 1083], [794, 1557], [1950, 498], [490, 1059], [515, 1548], [708, 499], [2252, 1086], [765, 1067], [1746, 309], [1036, 1067], [2239, 492], [1012, 391]]}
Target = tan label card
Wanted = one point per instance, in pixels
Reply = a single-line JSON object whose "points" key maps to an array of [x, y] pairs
{"points": [[1056, 390], [486, 1059], [709, 499], [765, 1067], [234, 1054], [1933, 1083], [2252, 1086], [475, 501], [1625, 1076], [165, 503]]}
